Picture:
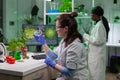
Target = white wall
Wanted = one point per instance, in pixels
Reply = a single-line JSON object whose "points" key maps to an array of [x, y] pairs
{"points": [[9, 15], [40, 4], [14, 10]]}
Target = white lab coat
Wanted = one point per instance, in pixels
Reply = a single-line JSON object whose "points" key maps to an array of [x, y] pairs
{"points": [[97, 51], [74, 57]]}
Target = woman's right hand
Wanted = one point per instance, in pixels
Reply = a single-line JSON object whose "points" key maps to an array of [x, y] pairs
{"points": [[39, 37]]}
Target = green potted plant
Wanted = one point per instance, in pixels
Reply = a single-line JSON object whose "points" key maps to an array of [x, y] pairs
{"points": [[23, 39], [66, 6], [16, 44], [14, 47]]}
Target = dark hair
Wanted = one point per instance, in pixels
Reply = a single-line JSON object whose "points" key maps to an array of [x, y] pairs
{"points": [[69, 20], [99, 12]]}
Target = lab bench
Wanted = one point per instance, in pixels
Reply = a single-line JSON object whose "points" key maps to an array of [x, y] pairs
{"points": [[29, 69]]}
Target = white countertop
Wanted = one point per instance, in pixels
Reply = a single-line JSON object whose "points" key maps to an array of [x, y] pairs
{"points": [[113, 45], [22, 68]]}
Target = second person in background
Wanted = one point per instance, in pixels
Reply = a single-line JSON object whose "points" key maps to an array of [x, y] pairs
{"points": [[97, 44]]}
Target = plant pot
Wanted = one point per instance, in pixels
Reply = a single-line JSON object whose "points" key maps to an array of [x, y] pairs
{"points": [[17, 55], [24, 52]]}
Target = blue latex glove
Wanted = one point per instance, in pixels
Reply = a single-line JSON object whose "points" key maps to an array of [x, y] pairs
{"points": [[52, 55], [67, 72], [39, 38], [50, 62]]}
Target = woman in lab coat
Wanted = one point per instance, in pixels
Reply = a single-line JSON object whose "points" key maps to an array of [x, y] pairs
{"points": [[97, 45], [71, 55]]}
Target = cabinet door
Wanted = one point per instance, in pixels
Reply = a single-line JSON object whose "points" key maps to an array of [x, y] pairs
{"points": [[41, 74], [53, 73]]}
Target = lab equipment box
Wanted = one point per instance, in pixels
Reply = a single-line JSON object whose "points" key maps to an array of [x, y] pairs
{"points": [[115, 63]]}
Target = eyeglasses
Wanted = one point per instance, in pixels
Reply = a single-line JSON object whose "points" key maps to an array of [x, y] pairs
{"points": [[60, 26]]}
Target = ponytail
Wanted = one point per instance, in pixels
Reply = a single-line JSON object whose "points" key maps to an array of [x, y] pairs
{"points": [[106, 25]]}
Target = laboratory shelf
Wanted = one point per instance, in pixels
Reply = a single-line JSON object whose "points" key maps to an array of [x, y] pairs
{"points": [[46, 6], [54, 13]]}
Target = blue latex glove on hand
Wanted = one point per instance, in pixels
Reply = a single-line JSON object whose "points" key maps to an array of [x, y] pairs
{"points": [[50, 62], [67, 72], [52, 55], [39, 38]]}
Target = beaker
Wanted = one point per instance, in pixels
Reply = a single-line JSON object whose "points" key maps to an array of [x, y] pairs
{"points": [[53, 7]]}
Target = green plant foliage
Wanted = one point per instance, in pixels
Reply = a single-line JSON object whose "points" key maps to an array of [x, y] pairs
{"points": [[22, 38], [28, 19], [66, 6], [16, 43]]}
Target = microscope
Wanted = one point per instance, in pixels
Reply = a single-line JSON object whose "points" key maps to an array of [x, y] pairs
{"points": [[3, 52]]}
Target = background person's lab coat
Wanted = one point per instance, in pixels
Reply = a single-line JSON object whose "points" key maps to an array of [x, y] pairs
{"points": [[97, 51], [73, 57]]}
